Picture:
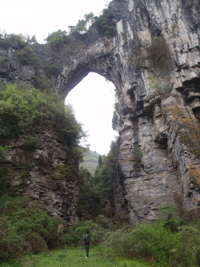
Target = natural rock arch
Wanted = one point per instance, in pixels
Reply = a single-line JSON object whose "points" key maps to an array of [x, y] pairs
{"points": [[94, 59], [147, 113]]}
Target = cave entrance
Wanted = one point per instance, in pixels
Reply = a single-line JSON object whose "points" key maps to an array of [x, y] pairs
{"points": [[93, 102]]}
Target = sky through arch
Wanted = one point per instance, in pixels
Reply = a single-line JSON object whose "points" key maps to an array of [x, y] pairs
{"points": [[93, 101]]}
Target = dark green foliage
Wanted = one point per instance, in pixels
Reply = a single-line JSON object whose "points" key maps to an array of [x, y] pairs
{"points": [[40, 81], [96, 192], [3, 151], [83, 24], [156, 243], [188, 248], [100, 161], [17, 41], [12, 40], [30, 142], [115, 121], [56, 39], [105, 23], [51, 69], [4, 61], [27, 111], [104, 179], [24, 229], [89, 203], [27, 57], [74, 235]]}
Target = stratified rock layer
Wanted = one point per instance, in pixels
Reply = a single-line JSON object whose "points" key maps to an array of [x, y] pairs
{"points": [[41, 173]]}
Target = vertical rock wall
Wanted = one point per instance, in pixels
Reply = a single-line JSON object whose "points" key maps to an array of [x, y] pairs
{"points": [[43, 174], [158, 44]]}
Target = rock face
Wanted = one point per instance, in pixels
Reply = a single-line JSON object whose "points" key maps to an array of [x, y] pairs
{"points": [[154, 62], [41, 173]]}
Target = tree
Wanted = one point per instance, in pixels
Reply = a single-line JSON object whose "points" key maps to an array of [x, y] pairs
{"points": [[105, 23], [56, 39], [100, 161]]}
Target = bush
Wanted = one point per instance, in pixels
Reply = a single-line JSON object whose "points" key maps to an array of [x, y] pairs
{"points": [[30, 142], [25, 111], [56, 39], [188, 248], [157, 242], [150, 241], [27, 57], [12, 40], [74, 235], [105, 23], [24, 229], [35, 243], [11, 243]]}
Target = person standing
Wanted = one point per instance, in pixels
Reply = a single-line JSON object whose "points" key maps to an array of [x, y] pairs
{"points": [[87, 243]]}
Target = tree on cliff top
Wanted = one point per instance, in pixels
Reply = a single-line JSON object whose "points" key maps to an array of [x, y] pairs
{"points": [[27, 110]]}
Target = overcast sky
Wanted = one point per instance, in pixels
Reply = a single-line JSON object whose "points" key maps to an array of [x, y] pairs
{"points": [[93, 98], [93, 101], [41, 17]]}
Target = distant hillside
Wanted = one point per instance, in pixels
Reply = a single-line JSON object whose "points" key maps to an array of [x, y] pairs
{"points": [[90, 161]]}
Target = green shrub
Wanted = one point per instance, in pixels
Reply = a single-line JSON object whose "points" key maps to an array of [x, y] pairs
{"points": [[188, 248], [51, 69], [30, 142], [25, 229], [35, 243], [4, 61], [56, 39], [25, 111], [12, 40], [26, 56], [105, 23], [10, 242], [74, 235], [150, 241], [157, 242], [3, 151]]}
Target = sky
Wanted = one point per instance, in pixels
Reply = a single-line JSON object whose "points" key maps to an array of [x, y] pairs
{"points": [[42, 17], [93, 98], [93, 101]]}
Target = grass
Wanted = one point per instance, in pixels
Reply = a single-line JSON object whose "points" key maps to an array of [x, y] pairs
{"points": [[73, 257]]}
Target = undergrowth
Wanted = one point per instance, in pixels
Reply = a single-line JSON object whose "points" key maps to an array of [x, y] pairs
{"points": [[167, 242]]}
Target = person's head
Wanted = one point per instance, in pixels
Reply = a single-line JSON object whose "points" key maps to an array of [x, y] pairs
{"points": [[88, 232]]}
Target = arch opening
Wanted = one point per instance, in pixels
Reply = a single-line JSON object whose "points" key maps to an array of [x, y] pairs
{"points": [[93, 101]]}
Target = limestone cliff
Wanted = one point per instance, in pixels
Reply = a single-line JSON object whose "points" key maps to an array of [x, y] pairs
{"points": [[154, 62], [43, 173]]}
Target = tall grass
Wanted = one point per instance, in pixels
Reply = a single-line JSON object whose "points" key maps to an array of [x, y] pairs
{"points": [[74, 257], [161, 244]]}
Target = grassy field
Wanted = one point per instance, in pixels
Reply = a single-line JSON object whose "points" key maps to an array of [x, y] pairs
{"points": [[73, 257]]}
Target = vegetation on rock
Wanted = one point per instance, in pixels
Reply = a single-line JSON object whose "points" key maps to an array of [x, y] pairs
{"points": [[25, 229], [96, 192], [27, 110], [16, 41], [105, 23]]}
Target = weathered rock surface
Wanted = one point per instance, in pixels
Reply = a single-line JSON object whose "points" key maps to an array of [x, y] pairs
{"points": [[41, 173], [154, 63]]}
